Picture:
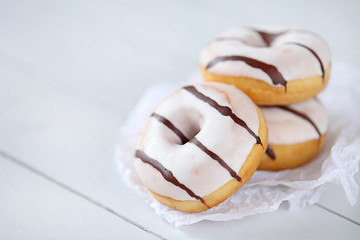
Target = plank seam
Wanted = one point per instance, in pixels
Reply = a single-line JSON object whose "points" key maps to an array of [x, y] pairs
{"points": [[83, 196], [338, 214]]}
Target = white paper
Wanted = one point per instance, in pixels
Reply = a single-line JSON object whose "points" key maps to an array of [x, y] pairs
{"points": [[266, 190]]}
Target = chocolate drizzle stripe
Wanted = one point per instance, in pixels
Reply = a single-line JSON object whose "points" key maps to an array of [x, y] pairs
{"points": [[270, 70], [315, 55], [269, 37], [167, 174], [223, 110], [302, 115], [171, 126], [215, 157], [197, 143], [270, 152]]}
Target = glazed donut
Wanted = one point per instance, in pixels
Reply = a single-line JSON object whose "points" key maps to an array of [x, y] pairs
{"points": [[273, 65], [200, 145], [296, 134]]}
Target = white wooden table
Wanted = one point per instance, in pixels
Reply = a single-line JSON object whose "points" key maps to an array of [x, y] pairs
{"points": [[70, 72]]}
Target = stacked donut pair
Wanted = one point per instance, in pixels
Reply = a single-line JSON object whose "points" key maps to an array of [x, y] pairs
{"points": [[204, 141], [281, 69]]}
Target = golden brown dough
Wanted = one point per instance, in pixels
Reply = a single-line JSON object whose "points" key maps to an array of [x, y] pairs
{"points": [[264, 94], [292, 155]]}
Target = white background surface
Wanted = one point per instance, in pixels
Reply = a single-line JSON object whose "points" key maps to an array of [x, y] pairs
{"points": [[70, 72]]}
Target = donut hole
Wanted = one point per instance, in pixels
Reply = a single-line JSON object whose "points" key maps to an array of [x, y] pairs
{"points": [[190, 124], [193, 131]]}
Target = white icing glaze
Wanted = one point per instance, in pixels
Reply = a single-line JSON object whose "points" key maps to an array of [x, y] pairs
{"points": [[285, 127], [292, 61], [220, 134]]}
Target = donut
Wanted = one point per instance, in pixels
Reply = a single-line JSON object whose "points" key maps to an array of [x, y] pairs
{"points": [[273, 65], [200, 145], [297, 134]]}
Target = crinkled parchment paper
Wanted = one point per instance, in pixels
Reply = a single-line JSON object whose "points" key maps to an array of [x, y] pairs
{"points": [[265, 191]]}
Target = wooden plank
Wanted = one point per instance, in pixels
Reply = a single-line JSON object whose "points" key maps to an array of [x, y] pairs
{"points": [[95, 53], [47, 216], [335, 200], [113, 51], [34, 208], [72, 140], [309, 223]]}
